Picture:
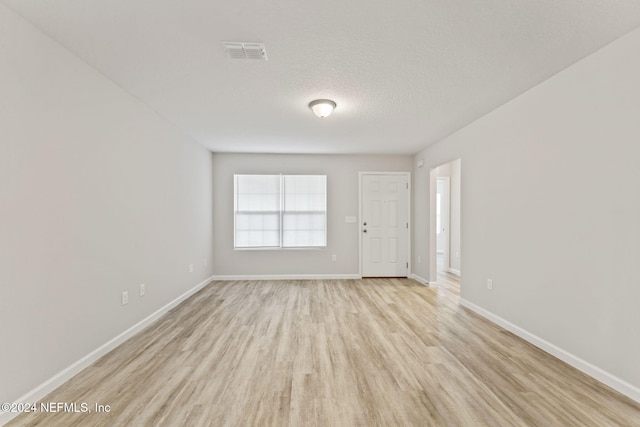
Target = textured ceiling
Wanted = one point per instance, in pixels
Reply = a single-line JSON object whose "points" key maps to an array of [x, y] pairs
{"points": [[404, 73]]}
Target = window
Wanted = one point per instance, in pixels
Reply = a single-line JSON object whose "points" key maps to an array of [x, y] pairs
{"points": [[280, 211]]}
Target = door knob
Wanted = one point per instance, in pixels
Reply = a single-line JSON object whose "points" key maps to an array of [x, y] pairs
{"points": [[365, 223], [364, 231]]}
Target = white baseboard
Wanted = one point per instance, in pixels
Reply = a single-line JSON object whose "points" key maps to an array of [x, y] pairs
{"points": [[420, 280], [288, 277], [455, 271], [66, 374], [599, 374]]}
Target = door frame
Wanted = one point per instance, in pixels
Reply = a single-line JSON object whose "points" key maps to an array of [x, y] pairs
{"points": [[361, 174], [433, 176]]}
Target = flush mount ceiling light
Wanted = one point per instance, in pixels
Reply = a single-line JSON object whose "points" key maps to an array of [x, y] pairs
{"points": [[322, 107]]}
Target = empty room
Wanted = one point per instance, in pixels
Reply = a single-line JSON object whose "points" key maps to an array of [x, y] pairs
{"points": [[410, 213]]}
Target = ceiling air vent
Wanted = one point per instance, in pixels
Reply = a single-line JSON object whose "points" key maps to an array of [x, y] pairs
{"points": [[239, 50]]}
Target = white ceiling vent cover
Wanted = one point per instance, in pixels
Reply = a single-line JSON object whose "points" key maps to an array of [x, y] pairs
{"points": [[240, 50]]}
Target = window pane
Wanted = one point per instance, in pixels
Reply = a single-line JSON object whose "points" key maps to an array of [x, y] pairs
{"points": [[256, 238], [318, 238], [257, 211], [242, 222], [303, 222], [255, 221], [257, 193], [266, 218], [272, 222], [318, 222], [271, 238], [288, 222], [289, 238], [304, 215], [242, 239]]}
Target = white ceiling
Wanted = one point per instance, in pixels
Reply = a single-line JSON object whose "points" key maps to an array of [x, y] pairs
{"points": [[404, 73]]}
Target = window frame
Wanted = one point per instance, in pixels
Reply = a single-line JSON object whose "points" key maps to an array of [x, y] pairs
{"points": [[281, 213]]}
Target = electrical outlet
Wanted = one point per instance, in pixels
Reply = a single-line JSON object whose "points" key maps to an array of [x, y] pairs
{"points": [[143, 289], [190, 268], [125, 298], [334, 258], [419, 259], [490, 284]]}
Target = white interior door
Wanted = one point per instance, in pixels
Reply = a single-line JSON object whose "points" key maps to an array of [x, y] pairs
{"points": [[385, 225]]}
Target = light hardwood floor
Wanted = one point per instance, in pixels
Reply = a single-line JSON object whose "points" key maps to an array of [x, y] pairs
{"points": [[387, 352]]}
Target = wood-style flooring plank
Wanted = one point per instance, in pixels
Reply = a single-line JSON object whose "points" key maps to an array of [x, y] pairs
{"points": [[371, 352]]}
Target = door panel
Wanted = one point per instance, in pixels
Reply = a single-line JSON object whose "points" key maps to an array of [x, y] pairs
{"points": [[393, 213], [393, 249], [376, 250], [385, 234]]}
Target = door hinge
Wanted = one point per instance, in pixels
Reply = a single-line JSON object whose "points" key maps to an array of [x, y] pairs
{"points": [[407, 225], [407, 265], [407, 185]]}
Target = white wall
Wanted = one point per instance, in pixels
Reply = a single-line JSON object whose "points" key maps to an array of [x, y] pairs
{"points": [[551, 210], [342, 200], [97, 195]]}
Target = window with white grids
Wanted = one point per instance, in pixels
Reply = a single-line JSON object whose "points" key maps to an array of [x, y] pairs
{"points": [[280, 211]]}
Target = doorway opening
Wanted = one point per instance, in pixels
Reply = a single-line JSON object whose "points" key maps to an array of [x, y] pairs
{"points": [[443, 206], [445, 210]]}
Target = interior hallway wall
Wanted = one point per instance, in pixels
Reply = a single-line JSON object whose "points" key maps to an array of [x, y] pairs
{"points": [[550, 211], [98, 195]]}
